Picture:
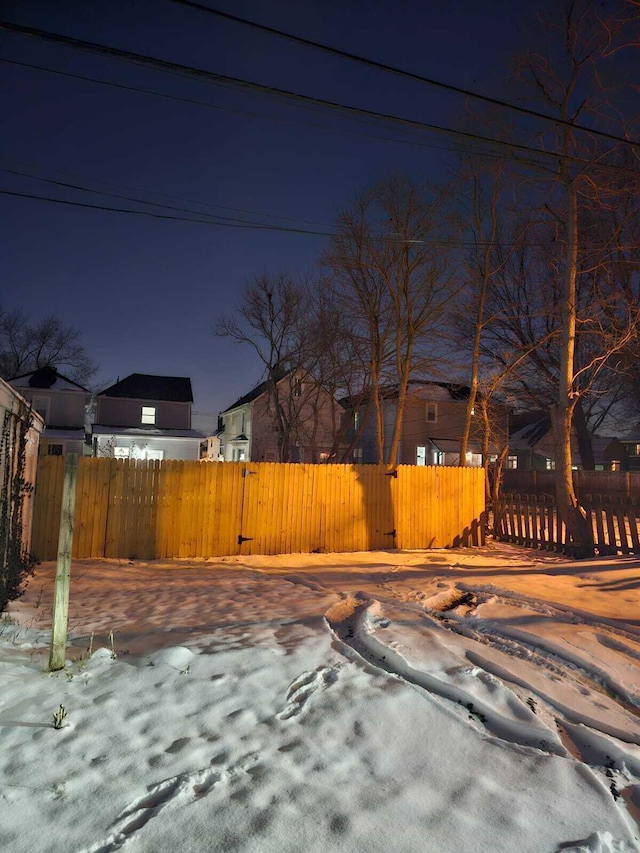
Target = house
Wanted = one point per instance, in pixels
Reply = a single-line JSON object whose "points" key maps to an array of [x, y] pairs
{"points": [[432, 426], [20, 433], [146, 417], [631, 445], [65, 407], [307, 416], [531, 446]]}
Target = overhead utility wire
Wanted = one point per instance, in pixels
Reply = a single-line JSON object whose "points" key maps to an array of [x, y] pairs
{"points": [[202, 74], [414, 142], [402, 72], [251, 225], [84, 188]]}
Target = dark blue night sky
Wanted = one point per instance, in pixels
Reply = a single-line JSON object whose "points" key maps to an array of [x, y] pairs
{"points": [[146, 292]]}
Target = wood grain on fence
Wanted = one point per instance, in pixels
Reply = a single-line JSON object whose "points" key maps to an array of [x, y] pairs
{"points": [[168, 509]]}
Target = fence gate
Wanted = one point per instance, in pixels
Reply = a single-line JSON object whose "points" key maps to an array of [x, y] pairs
{"points": [[288, 508]]}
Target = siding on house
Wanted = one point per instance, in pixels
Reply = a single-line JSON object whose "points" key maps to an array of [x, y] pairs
{"points": [[121, 412]]}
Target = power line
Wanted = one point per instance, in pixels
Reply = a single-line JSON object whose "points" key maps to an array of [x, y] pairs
{"points": [[84, 188], [235, 110], [250, 225], [354, 57], [210, 76], [256, 225]]}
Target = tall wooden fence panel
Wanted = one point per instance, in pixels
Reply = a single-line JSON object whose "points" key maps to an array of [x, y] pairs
{"points": [[151, 510]]}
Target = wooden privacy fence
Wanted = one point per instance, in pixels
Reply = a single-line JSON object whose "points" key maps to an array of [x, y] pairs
{"points": [[532, 520], [151, 510]]}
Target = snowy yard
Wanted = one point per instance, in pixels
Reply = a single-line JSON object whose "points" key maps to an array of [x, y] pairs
{"points": [[327, 702]]}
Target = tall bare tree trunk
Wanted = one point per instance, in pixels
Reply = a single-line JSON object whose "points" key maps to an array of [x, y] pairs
{"points": [[569, 509]]}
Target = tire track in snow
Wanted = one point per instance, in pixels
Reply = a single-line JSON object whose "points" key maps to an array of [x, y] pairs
{"points": [[535, 648], [347, 622], [608, 764]]}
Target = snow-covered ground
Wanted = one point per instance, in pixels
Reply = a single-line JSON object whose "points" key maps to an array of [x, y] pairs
{"points": [[450, 701]]}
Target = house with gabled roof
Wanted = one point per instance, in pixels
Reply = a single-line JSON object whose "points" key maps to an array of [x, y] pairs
{"points": [[531, 446], [146, 417], [293, 422], [432, 426], [65, 407]]}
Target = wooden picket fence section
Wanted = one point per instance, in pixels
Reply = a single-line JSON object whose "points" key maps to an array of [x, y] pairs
{"points": [[532, 520], [172, 509]]}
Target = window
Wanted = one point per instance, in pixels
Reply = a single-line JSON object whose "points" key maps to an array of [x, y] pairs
{"points": [[148, 414], [438, 457], [356, 420], [357, 456], [636, 451], [144, 452], [239, 454], [512, 462], [55, 450], [615, 465], [297, 388], [323, 456], [421, 455], [550, 464], [432, 412], [121, 452]]}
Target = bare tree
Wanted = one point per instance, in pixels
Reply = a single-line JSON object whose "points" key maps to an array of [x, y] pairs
{"points": [[27, 345], [390, 275], [276, 319], [570, 76]]}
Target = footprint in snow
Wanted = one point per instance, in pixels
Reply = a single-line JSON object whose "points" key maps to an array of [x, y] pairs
{"points": [[304, 686]]}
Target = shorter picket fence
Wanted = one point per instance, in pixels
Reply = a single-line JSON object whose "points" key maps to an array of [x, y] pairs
{"points": [[533, 521]]}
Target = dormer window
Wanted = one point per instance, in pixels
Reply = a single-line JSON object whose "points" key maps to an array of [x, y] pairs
{"points": [[148, 415]]}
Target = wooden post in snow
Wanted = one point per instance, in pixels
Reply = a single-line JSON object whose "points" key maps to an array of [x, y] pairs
{"points": [[63, 568]]}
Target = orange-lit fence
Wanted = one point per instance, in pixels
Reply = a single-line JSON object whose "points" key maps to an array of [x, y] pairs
{"points": [[147, 510]]}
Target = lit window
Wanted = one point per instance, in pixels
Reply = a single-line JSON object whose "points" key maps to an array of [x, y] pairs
{"points": [[550, 465], [512, 462], [55, 450], [356, 420], [636, 452], [432, 412], [421, 455], [615, 465], [148, 415], [438, 457]]}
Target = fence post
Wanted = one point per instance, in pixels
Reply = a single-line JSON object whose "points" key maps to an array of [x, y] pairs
{"points": [[63, 567]]}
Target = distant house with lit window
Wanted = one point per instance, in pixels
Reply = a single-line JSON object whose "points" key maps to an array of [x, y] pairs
{"points": [[249, 426], [65, 407], [432, 426], [531, 446], [146, 417]]}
